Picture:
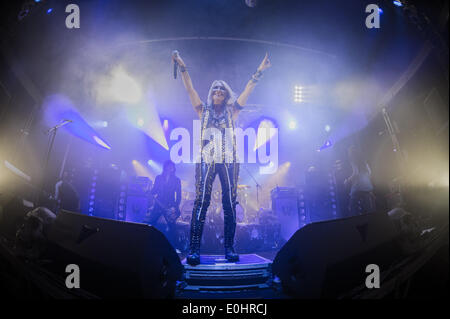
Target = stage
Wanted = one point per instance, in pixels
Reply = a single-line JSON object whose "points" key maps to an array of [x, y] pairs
{"points": [[313, 143]]}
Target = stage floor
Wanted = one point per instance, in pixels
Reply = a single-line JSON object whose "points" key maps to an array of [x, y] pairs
{"points": [[218, 262], [270, 255]]}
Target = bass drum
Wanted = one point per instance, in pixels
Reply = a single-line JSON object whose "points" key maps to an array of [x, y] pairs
{"points": [[217, 215]]}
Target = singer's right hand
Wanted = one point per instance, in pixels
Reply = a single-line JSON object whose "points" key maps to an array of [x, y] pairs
{"points": [[176, 57]]}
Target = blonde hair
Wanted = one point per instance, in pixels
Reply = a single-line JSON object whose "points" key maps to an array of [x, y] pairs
{"points": [[231, 98]]}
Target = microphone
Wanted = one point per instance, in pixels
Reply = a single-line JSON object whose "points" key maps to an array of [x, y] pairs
{"points": [[175, 64]]}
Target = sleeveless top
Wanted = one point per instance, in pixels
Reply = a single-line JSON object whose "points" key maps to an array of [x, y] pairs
{"points": [[225, 141]]}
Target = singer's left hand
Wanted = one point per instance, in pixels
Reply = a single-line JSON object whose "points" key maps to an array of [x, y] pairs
{"points": [[265, 63]]}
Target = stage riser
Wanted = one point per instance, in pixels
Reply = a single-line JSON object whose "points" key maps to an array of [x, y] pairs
{"points": [[252, 271]]}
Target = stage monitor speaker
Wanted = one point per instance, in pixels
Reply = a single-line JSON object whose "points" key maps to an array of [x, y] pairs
{"points": [[116, 258], [326, 259]]}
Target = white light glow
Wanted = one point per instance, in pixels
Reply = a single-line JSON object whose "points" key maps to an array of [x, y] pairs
{"points": [[119, 87]]}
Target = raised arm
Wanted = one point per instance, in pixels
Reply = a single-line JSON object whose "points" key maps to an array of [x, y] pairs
{"points": [[242, 99], [193, 95]]}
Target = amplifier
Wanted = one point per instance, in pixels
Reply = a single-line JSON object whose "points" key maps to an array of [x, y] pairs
{"points": [[285, 206], [138, 200]]}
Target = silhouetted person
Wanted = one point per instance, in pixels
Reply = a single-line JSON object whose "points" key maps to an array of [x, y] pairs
{"points": [[167, 197], [362, 199]]}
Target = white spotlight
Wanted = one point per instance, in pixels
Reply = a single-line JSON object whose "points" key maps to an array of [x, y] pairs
{"points": [[292, 124], [298, 94]]}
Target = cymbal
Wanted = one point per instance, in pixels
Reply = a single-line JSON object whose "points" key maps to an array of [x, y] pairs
{"points": [[243, 186]]}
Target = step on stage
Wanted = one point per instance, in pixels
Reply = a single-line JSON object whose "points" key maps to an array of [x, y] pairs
{"points": [[215, 273]]}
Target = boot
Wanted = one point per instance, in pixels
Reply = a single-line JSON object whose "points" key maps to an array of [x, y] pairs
{"points": [[193, 257], [230, 254]]}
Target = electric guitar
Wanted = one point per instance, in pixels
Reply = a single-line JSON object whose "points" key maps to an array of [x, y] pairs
{"points": [[170, 213]]}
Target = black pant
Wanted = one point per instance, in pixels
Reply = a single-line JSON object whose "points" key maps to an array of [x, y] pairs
{"points": [[205, 175], [172, 230]]}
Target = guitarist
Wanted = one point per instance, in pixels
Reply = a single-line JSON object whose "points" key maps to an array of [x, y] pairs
{"points": [[167, 197]]}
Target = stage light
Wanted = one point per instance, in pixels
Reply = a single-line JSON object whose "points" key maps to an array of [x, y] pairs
{"points": [[298, 94], [99, 124], [101, 142], [58, 108], [292, 124], [156, 167], [141, 170], [380, 10], [49, 10], [327, 128], [16, 171], [278, 178], [152, 126], [92, 197], [397, 3], [326, 145], [166, 125]]}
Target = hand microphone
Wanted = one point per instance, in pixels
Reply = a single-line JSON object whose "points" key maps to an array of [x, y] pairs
{"points": [[175, 64]]}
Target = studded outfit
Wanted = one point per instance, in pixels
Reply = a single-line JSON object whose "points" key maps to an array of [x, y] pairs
{"points": [[225, 165]]}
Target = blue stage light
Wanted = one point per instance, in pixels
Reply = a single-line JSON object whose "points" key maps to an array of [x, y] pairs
{"points": [[398, 3], [326, 145], [49, 10]]}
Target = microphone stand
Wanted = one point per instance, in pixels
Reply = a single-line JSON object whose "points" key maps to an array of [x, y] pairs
{"points": [[257, 186], [52, 131]]}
